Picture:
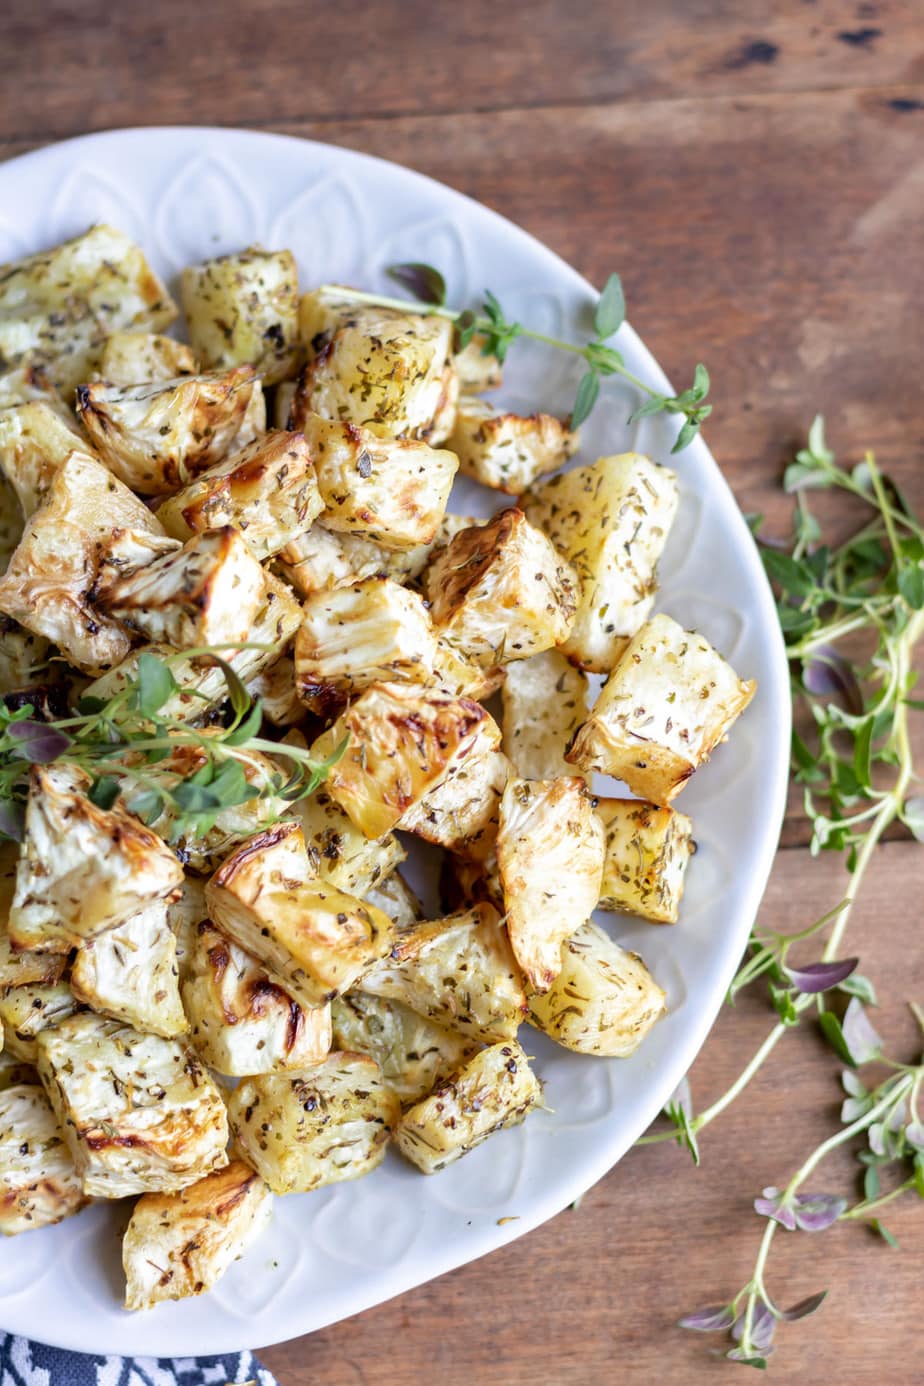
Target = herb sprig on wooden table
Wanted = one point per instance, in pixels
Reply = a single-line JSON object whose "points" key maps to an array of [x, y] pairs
{"points": [[852, 614]]}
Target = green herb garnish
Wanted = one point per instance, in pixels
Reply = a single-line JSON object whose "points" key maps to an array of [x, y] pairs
{"points": [[498, 333]]}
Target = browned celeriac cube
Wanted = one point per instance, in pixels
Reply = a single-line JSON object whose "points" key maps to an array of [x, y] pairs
{"points": [[372, 631], [414, 1053], [603, 1001], [243, 310], [39, 1183], [331, 1122], [610, 521], [130, 973], [459, 971], [493, 1090], [180, 1244], [505, 451], [268, 491], [668, 702], [545, 701], [314, 940], [137, 358], [242, 1022], [48, 585], [208, 592], [393, 491], [401, 742], [156, 437], [648, 850], [35, 439], [550, 847], [500, 592]]}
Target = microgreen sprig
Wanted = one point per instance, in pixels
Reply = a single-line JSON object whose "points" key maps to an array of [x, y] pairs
{"points": [[121, 743], [497, 334], [852, 615]]}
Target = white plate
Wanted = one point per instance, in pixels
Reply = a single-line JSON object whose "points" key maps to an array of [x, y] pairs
{"points": [[186, 194]]}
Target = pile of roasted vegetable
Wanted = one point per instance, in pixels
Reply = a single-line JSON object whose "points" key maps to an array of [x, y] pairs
{"points": [[203, 617]]}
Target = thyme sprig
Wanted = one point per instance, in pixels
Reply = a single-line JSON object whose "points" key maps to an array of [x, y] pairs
{"points": [[497, 333], [122, 741], [852, 615]]}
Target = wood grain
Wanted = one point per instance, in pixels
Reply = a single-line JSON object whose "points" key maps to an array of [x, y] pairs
{"points": [[86, 65], [757, 179]]}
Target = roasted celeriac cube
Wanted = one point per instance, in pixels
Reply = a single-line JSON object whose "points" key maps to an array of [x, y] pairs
{"points": [[243, 310], [138, 358], [610, 521], [668, 702], [39, 1184], [314, 940], [82, 869], [274, 688], [402, 741], [545, 701], [268, 491], [58, 307], [25, 383], [394, 897], [22, 652], [459, 971], [139, 1113], [508, 451], [28, 1009], [48, 583], [206, 593], [372, 631], [500, 592], [202, 684], [328, 1123], [34, 441], [130, 973], [242, 1022], [550, 848], [392, 491], [321, 312], [156, 437], [648, 850], [379, 367], [603, 1001], [414, 1053], [181, 1244], [125, 551], [339, 853], [27, 967], [494, 1090], [477, 372], [321, 558], [461, 814]]}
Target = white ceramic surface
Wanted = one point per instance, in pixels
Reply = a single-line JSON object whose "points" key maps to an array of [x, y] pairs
{"points": [[186, 194]]}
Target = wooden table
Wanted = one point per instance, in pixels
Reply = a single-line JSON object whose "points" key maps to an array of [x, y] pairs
{"points": [[759, 184]]}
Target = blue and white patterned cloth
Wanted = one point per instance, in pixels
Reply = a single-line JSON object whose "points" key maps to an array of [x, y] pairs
{"points": [[33, 1364]]}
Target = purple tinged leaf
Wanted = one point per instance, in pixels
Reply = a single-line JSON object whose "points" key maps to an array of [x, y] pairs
{"points": [[12, 819], [822, 976], [770, 1207], [713, 1319], [815, 1212], [804, 1307], [862, 1040], [423, 281], [38, 742], [896, 1118], [828, 674], [762, 1326], [877, 1138], [739, 1355]]}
